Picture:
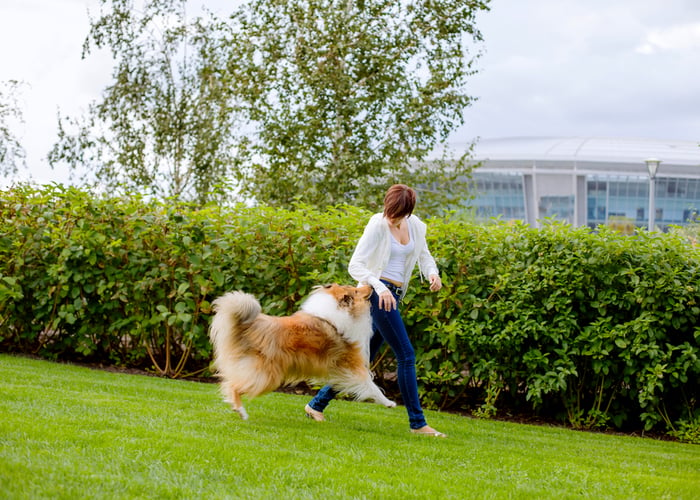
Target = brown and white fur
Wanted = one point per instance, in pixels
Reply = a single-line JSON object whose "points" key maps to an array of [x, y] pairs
{"points": [[326, 341]]}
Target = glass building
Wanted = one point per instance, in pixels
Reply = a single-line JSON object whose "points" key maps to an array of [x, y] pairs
{"points": [[586, 181]]}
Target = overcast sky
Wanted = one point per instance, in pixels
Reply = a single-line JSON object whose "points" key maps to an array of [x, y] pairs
{"points": [[618, 68]]}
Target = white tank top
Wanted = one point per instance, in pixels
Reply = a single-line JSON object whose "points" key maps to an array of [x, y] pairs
{"points": [[396, 267]]}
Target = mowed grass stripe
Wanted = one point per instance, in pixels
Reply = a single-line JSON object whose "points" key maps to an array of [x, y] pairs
{"points": [[72, 432]]}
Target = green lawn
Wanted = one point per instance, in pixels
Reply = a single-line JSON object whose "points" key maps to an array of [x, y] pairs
{"points": [[71, 432]]}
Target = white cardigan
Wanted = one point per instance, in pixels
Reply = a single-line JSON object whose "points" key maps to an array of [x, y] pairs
{"points": [[374, 249]]}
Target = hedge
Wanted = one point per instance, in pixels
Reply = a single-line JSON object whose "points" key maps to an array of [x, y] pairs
{"points": [[592, 328]]}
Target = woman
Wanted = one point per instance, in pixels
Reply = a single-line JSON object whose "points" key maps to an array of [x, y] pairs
{"points": [[391, 245]]}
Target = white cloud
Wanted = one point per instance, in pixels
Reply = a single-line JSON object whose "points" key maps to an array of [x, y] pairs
{"points": [[42, 44], [627, 68], [565, 67], [674, 38]]}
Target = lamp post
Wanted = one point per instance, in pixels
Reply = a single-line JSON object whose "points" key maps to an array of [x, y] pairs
{"points": [[652, 167]]}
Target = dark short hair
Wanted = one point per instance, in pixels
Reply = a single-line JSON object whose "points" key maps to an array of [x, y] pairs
{"points": [[399, 201]]}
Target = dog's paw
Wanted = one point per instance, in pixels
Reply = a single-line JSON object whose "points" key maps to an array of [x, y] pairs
{"points": [[390, 404], [241, 411]]}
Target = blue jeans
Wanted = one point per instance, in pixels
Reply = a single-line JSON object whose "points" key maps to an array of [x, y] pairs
{"points": [[388, 326]]}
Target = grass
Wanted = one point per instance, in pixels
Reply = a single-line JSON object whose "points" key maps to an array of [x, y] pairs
{"points": [[71, 432]]}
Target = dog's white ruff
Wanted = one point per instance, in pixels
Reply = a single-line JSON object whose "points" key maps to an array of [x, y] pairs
{"points": [[357, 330]]}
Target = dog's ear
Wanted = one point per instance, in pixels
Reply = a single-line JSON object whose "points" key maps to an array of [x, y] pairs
{"points": [[347, 299]]}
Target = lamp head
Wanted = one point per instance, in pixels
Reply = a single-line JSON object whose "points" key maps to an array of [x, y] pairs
{"points": [[652, 166]]}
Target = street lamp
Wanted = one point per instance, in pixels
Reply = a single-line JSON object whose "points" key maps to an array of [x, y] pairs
{"points": [[652, 167]]}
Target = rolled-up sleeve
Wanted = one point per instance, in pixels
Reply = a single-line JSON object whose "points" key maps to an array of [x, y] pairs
{"points": [[427, 263], [365, 258]]}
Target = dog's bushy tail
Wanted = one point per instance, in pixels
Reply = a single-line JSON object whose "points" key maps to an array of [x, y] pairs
{"points": [[232, 310]]}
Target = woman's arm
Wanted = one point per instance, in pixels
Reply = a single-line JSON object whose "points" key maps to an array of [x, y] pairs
{"points": [[365, 256]]}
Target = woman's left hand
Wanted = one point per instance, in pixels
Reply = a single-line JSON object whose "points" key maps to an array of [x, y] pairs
{"points": [[387, 302], [435, 283]]}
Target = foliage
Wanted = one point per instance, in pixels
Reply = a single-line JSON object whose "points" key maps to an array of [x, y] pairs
{"points": [[322, 100], [129, 281], [167, 122], [691, 230], [687, 431], [12, 153], [595, 329], [345, 96]]}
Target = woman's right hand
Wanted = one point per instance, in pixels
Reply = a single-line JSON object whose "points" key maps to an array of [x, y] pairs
{"points": [[387, 301]]}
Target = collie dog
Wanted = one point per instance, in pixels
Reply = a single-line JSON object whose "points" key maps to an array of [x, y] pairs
{"points": [[326, 341]]}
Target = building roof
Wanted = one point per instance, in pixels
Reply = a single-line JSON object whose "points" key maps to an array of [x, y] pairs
{"points": [[588, 149], [590, 153]]}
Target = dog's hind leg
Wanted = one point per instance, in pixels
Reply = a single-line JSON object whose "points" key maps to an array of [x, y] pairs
{"points": [[237, 404], [360, 385], [375, 394]]}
